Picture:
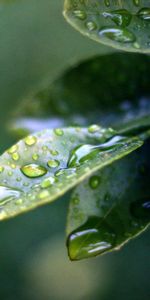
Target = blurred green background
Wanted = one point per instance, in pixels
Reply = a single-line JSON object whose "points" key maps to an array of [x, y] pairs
{"points": [[36, 46]]}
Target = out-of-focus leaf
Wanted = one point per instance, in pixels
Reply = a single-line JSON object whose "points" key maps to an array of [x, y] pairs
{"points": [[44, 166], [121, 24], [90, 93], [111, 207]]}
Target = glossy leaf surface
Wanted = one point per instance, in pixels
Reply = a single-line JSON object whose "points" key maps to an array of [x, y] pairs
{"points": [[121, 24], [111, 207]]}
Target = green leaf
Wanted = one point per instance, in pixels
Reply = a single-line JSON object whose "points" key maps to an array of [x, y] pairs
{"points": [[44, 166], [111, 207], [121, 24], [90, 93]]}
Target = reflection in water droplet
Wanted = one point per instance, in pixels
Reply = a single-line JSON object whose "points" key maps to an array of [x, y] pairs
{"points": [[13, 149], [15, 156], [79, 14], [33, 170], [53, 163], [94, 182], [7, 194], [117, 34], [48, 182], [144, 14], [94, 128], [35, 156], [91, 26], [141, 209], [121, 17], [58, 131], [90, 239], [30, 140], [83, 153]]}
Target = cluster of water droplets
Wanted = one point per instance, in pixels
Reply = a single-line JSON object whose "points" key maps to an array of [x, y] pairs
{"points": [[119, 27]]}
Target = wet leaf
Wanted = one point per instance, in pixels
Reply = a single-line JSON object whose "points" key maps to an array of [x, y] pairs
{"points": [[110, 207], [44, 166], [121, 24], [90, 93]]}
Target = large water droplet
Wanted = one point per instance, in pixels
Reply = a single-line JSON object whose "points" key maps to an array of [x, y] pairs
{"points": [[117, 34], [83, 153], [144, 14], [33, 170], [90, 239], [13, 149], [7, 194], [121, 17], [58, 131], [30, 140]]}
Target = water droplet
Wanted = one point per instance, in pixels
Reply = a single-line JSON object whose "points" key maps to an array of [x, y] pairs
{"points": [[15, 156], [117, 34], [121, 17], [94, 128], [76, 200], [107, 3], [58, 131], [54, 152], [144, 14], [136, 2], [35, 156], [91, 26], [30, 140], [94, 182], [84, 153], [13, 166], [43, 194], [48, 182], [33, 170], [91, 239], [19, 201], [7, 194], [80, 14], [13, 149], [1, 169], [53, 163], [10, 173], [141, 209]]}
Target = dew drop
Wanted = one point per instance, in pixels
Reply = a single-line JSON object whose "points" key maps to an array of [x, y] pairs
{"points": [[53, 163], [79, 14], [58, 131], [93, 128], [117, 34], [33, 170], [35, 156], [121, 17], [144, 14], [85, 152], [91, 26], [13, 149], [107, 3], [30, 140], [48, 182], [15, 156], [7, 194], [90, 239], [94, 182], [54, 152], [136, 2]]}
